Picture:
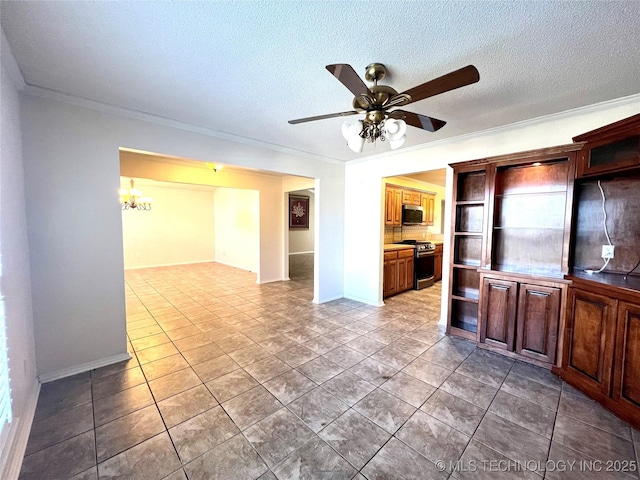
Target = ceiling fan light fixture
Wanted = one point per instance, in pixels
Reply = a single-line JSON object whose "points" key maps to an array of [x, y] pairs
{"points": [[395, 128], [395, 144], [350, 130]]}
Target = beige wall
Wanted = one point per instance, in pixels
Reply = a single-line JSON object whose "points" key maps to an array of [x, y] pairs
{"points": [[179, 228]]}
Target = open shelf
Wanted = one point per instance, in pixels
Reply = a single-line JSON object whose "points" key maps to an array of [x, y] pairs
{"points": [[471, 186], [468, 250], [465, 282], [464, 315], [469, 218]]}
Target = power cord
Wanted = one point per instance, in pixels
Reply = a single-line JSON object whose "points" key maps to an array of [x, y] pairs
{"points": [[606, 233]]}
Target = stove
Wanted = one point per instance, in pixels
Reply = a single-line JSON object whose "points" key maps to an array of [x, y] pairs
{"points": [[423, 264]]}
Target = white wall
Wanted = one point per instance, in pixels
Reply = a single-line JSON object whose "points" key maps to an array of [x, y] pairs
{"points": [[237, 228], [15, 279], [364, 184], [179, 228], [301, 240], [76, 253]]}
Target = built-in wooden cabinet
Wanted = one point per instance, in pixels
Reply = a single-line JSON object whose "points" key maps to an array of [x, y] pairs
{"points": [[468, 248], [610, 149], [602, 346], [512, 216], [398, 271], [520, 317]]}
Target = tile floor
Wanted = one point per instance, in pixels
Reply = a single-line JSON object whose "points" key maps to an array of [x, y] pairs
{"points": [[233, 380]]}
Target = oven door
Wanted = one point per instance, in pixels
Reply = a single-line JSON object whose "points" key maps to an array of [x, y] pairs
{"points": [[424, 269]]}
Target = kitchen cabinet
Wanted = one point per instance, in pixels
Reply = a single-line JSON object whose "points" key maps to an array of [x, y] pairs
{"points": [[410, 197], [393, 206], [396, 196], [428, 201], [437, 263], [610, 149], [520, 317], [398, 271], [602, 347]]}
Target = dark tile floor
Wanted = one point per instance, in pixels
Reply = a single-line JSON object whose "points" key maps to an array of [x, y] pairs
{"points": [[231, 380]]}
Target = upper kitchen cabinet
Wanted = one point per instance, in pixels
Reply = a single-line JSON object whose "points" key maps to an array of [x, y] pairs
{"points": [[428, 201], [397, 196], [613, 148], [393, 206]]}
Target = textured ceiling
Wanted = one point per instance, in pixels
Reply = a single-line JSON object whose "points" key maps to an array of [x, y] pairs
{"points": [[245, 68]]}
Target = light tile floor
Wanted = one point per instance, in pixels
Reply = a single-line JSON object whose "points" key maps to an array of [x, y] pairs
{"points": [[229, 379]]}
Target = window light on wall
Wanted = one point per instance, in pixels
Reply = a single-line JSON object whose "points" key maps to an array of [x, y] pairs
{"points": [[5, 388]]}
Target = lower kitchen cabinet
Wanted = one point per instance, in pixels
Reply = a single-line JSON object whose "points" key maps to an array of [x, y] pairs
{"points": [[602, 348], [519, 317], [398, 272], [437, 263]]}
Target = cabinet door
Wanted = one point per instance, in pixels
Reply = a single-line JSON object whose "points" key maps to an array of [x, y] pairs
{"points": [[389, 206], [437, 267], [626, 387], [402, 274], [390, 281], [537, 322], [498, 313], [427, 201], [409, 273], [590, 333], [397, 207]]}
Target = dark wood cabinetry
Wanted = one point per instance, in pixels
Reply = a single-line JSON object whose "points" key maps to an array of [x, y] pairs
{"points": [[602, 346], [511, 215], [498, 313], [520, 317], [471, 194], [610, 149], [397, 271]]}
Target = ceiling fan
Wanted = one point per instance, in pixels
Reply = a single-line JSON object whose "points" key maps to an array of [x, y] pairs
{"points": [[382, 119]]}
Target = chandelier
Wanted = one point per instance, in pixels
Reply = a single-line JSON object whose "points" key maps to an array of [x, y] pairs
{"points": [[132, 199], [374, 127]]}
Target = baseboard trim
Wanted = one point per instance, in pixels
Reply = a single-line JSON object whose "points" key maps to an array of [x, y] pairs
{"points": [[17, 441], [328, 299], [170, 264], [85, 367], [365, 301]]}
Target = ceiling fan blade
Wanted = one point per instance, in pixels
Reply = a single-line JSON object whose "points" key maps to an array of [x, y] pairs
{"points": [[459, 78], [349, 78], [322, 117], [419, 121]]}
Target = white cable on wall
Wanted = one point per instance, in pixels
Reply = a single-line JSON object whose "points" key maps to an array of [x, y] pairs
{"points": [[606, 232]]}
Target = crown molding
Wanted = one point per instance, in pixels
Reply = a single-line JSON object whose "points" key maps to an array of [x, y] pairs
{"points": [[616, 102], [57, 96], [9, 61]]}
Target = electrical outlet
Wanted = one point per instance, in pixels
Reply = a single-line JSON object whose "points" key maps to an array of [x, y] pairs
{"points": [[607, 251]]}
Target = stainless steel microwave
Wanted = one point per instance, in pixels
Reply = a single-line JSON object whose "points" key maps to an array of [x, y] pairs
{"points": [[412, 215]]}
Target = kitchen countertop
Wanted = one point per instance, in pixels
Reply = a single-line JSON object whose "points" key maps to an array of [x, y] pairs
{"points": [[390, 247]]}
